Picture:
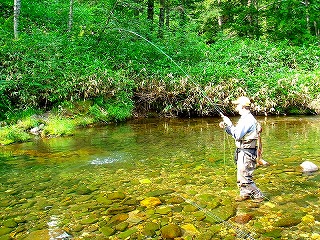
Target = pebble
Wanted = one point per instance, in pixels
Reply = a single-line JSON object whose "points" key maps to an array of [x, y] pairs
{"points": [[171, 231]]}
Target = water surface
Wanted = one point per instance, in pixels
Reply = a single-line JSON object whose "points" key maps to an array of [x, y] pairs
{"points": [[75, 187]]}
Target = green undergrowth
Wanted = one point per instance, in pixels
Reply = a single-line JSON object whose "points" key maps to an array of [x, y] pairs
{"points": [[60, 121], [70, 82], [13, 134]]}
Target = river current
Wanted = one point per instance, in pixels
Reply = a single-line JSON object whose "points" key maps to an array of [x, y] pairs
{"points": [[147, 179]]}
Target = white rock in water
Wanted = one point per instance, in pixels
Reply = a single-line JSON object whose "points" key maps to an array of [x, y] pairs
{"points": [[308, 166]]}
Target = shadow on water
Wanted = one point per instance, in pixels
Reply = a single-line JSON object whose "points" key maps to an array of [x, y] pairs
{"points": [[132, 180]]}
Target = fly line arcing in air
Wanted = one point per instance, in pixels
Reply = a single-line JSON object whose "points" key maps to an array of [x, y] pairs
{"points": [[215, 106], [203, 93]]}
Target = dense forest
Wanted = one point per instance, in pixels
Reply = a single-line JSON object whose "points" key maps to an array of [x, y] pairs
{"points": [[81, 62]]}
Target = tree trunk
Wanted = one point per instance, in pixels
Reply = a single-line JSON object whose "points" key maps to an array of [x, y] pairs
{"points": [[252, 17], [219, 17], [182, 12], [136, 10], [307, 15], [16, 14], [249, 17], [150, 10], [161, 17], [256, 19], [70, 16], [167, 13]]}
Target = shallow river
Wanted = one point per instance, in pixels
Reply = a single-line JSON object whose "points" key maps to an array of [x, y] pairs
{"points": [[154, 179]]}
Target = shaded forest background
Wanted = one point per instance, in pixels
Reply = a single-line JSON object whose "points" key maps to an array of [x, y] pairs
{"points": [[113, 60]]}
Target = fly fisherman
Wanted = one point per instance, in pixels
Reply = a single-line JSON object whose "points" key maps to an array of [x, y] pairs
{"points": [[245, 134]]}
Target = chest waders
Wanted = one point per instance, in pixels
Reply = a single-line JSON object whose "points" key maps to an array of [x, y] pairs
{"points": [[246, 160]]}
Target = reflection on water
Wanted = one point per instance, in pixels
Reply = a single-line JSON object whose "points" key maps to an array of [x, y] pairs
{"points": [[114, 157], [54, 231], [91, 185]]}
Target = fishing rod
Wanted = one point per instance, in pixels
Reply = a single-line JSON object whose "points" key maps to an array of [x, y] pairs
{"points": [[215, 106]]}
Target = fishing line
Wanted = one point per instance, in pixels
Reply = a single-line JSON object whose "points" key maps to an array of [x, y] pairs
{"points": [[240, 232], [215, 106], [224, 153]]}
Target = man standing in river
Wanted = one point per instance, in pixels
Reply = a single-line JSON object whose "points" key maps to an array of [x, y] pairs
{"points": [[245, 134]]}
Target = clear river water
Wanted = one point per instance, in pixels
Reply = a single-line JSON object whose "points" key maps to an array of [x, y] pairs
{"points": [[160, 179]]}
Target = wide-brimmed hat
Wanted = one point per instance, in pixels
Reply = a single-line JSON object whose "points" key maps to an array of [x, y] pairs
{"points": [[243, 101]]}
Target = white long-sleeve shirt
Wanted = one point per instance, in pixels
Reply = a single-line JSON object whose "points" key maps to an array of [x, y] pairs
{"points": [[245, 130]]}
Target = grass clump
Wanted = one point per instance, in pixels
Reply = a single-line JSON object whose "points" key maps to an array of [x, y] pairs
{"points": [[13, 134], [17, 126], [57, 126]]}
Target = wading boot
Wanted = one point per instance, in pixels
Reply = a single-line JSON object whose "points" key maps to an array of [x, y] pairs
{"points": [[258, 200], [241, 198], [258, 197]]}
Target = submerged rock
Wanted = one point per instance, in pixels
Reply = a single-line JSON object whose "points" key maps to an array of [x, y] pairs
{"points": [[175, 200], [150, 202], [309, 219], [163, 210], [150, 229], [308, 166], [158, 193], [5, 230], [135, 217], [221, 214], [118, 219], [127, 233], [107, 231], [190, 229], [122, 209], [83, 190], [190, 208], [10, 223], [39, 234], [242, 219], [77, 228], [171, 231], [287, 222], [116, 196], [274, 233], [122, 226]]}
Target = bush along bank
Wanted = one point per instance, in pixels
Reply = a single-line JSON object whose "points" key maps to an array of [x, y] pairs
{"points": [[158, 98], [61, 121], [113, 82]]}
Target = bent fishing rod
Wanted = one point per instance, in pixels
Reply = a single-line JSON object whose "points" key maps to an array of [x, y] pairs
{"points": [[215, 106]]}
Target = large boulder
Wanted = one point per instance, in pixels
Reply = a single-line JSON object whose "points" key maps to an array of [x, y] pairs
{"points": [[308, 166]]}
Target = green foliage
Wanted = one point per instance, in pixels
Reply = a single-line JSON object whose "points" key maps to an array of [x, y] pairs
{"points": [[57, 126], [292, 20], [113, 63], [288, 20], [116, 109], [4, 106], [12, 134], [16, 126], [16, 116]]}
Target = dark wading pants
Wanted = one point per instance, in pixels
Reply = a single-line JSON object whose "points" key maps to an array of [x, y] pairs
{"points": [[246, 164]]}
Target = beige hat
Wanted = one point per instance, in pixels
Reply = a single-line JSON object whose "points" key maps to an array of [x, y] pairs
{"points": [[244, 101]]}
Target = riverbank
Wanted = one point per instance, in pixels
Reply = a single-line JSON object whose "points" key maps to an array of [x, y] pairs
{"points": [[65, 120]]}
